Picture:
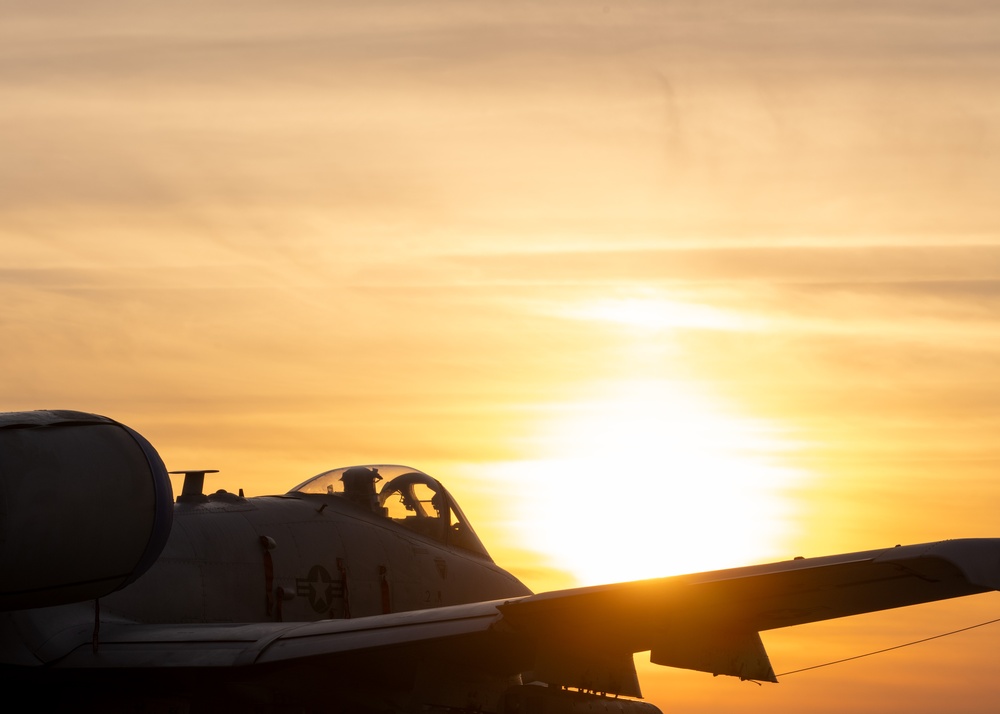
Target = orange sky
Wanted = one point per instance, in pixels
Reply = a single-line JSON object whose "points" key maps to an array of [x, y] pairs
{"points": [[722, 276]]}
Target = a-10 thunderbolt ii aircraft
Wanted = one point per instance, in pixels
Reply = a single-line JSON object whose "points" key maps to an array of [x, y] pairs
{"points": [[361, 590]]}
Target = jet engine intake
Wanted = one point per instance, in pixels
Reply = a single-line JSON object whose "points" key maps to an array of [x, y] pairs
{"points": [[85, 507]]}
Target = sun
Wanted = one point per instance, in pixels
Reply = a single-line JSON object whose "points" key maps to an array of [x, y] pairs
{"points": [[653, 481], [646, 475]]}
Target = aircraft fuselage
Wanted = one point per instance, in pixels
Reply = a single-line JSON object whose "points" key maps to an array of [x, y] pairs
{"points": [[300, 557]]}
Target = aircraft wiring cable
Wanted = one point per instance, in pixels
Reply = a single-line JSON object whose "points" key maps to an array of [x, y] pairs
{"points": [[890, 649]]}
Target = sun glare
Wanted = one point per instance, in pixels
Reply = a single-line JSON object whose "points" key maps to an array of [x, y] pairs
{"points": [[651, 312], [648, 475], [654, 481]]}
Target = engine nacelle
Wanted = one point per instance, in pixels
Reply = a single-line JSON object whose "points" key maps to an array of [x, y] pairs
{"points": [[85, 507]]}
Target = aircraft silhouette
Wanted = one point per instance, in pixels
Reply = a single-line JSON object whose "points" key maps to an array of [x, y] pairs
{"points": [[341, 596]]}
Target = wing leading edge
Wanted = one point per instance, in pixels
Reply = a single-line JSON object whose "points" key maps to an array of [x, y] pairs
{"points": [[711, 621], [583, 637]]}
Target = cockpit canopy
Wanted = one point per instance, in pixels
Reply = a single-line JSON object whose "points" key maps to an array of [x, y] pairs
{"points": [[408, 497]]}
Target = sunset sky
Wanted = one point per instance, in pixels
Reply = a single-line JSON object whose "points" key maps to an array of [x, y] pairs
{"points": [[653, 287]]}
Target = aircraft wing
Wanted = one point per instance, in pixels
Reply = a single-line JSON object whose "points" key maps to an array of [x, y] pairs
{"points": [[582, 637], [710, 621], [125, 644], [394, 662]]}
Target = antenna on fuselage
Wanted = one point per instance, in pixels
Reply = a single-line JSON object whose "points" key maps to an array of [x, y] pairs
{"points": [[193, 490]]}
